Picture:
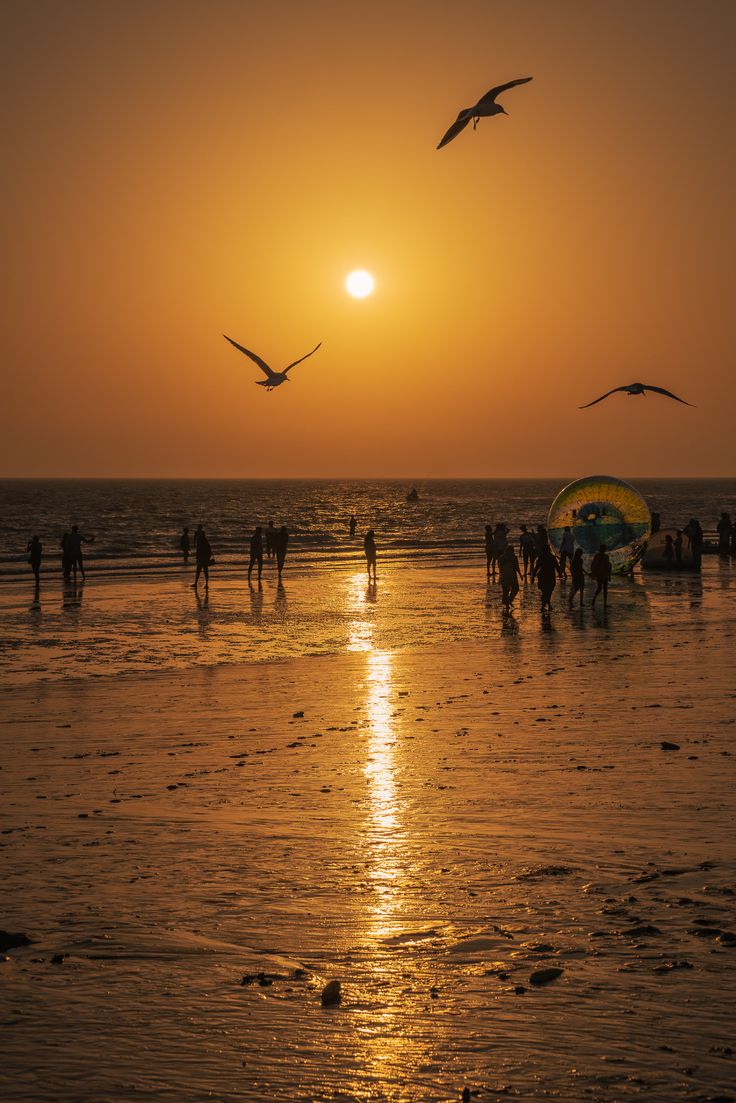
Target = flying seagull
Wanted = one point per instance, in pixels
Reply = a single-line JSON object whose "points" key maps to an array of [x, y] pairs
{"points": [[485, 107], [638, 389], [273, 378]]}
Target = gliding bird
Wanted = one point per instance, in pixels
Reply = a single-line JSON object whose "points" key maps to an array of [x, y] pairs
{"points": [[484, 108], [636, 389], [273, 378]]}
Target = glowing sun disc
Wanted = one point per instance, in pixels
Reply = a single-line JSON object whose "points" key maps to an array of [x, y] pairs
{"points": [[360, 284]]}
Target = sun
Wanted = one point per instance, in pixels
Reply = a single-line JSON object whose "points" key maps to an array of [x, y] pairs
{"points": [[360, 284]]}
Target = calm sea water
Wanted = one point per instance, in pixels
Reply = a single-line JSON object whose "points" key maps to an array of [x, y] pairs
{"points": [[136, 523]]}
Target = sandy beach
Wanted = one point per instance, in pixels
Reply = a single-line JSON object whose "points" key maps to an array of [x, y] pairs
{"points": [[193, 855]]}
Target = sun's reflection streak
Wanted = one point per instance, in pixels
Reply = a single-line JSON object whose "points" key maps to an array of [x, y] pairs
{"points": [[386, 837]]}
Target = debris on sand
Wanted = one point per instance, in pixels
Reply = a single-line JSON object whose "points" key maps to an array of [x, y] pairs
{"points": [[667, 746], [9, 940], [331, 993], [545, 976]]}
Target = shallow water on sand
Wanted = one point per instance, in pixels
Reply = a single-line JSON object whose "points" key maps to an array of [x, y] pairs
{"points": [[440, 823]]}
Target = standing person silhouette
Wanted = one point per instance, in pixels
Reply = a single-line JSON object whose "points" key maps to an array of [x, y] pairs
{"points": [[66, 559], [203, 557], [74, 549], [600, 572], [733, 539], [546, 570], [567, 547], [270, 539], [668, 551], [369, 546], [509, 575], [256, 552], [490, 552], [577, 575], [678, 547], [185, 544], [353, 525], [35, 552], [281, 541], [526, 550]]}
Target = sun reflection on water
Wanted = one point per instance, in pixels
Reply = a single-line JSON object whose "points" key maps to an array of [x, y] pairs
{"points": [[385, 827]]}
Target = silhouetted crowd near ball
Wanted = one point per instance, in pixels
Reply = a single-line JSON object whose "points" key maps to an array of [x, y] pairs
{"points": [[536, 561]]}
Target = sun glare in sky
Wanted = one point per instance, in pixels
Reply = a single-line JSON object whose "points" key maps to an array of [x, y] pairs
{"points": [[360, 284]]}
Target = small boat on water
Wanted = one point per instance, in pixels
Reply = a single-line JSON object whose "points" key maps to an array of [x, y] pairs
{"points": [[413, 495]]}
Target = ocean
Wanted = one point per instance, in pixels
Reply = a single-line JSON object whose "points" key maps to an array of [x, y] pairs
{"points": [[137, 523]]}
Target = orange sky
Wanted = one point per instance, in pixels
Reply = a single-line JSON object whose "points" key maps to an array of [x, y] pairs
{"points": [[175, 170]]}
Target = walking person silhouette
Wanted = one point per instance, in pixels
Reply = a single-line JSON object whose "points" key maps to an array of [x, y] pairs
{"points": [[35, 552], [256, 552], [203, 557], [600, 571], [369, 546]]}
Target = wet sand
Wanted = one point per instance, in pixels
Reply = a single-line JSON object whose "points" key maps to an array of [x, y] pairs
{"points": [[439, 825]]}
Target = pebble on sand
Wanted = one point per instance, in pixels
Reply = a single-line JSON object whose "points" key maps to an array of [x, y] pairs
{"points": [[544, 976], [667, 746], [331, 993]]}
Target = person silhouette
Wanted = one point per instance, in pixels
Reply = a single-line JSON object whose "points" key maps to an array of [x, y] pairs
{"points": [[353, 525], [66, 559], [668, 551], [694, 534], [256, 552], [74, 549], [281, 544], [678, 547], [509, 575], [723, 528], [526, 550], [600, 572], [541, 541], [185, 544], [35, 552], [369, 546], [567, 547], [733, 539], [656, 523], [202, 557], [490, 552], [546, 570], [577, 575]]}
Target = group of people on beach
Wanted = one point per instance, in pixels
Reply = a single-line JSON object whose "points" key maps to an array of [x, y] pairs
{"points": [[536, 561], [276, 542], [72, 557], [541, 565]]}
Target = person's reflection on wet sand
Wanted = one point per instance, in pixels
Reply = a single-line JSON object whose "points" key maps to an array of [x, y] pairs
{"points": [[203, 612], [256, 601], [72, 594], [371, 592], [279, 601]]}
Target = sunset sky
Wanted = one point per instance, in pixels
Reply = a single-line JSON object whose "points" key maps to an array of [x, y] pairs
{"points": [[178, 170]]}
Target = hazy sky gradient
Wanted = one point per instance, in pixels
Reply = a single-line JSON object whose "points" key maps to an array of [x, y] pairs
{"points": [[175, 170]]}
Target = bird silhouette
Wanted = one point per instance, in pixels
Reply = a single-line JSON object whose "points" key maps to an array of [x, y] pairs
{"points": [[636, 389], [485, 107], [273, 378]]}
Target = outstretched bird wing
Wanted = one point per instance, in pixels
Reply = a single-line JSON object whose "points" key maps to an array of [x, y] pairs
{"points": [[661, 390], [460, 123], [585, 407], [490, 96], [302, 358], [256, 359]]}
